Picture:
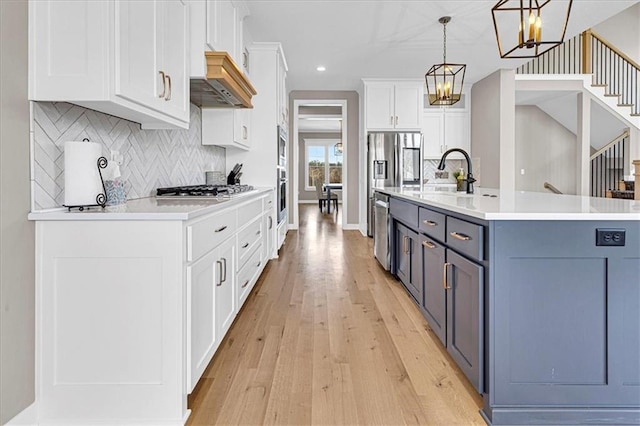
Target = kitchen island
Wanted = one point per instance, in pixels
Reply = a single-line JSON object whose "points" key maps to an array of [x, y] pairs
{"points": [[133, 301], [535, 296]]}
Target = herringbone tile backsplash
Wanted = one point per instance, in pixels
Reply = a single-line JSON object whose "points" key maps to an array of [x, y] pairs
{"points": [[152, 158]]}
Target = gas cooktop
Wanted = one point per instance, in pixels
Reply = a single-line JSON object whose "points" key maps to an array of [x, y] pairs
{"points": [[202, 191]]}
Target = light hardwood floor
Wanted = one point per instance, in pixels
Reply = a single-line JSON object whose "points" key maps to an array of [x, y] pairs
{"points": [[329, 338]]}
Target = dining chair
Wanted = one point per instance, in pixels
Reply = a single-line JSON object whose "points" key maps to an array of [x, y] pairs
{"points": [[322, 196]]}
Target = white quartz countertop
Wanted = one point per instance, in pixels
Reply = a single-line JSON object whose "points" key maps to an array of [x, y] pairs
{"points": [[152, 208], [494, 204]]}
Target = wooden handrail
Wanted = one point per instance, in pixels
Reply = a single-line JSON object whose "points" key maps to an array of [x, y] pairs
{"points": [[610, 144], [586, 51], [552, 188], [614, 49]]}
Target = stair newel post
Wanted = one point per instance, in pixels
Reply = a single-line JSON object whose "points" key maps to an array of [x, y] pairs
{"points": [[586, 52]]}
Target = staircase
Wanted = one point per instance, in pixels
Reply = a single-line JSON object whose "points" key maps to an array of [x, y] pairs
{"points": [[614, 77]]}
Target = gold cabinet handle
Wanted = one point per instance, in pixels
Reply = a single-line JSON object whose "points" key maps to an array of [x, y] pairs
{"points": [[270, 222], [429, 244], [164, 84], [245, 133], [245, 284], [219, 264], [168, 97], [405, 244], [221, 229], [245, 245], [445, 279], [430, 223], [396, 120], [459, 236]]}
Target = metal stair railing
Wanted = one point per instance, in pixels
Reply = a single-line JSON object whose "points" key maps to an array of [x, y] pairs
{"points": [[590, 53], [607, 165]]}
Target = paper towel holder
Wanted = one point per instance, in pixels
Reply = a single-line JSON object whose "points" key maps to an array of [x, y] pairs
{"points": [[101, 198]]}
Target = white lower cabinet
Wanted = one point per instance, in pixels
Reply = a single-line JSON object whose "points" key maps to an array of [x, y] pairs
{"points": [[210, 295], [128, 321]]}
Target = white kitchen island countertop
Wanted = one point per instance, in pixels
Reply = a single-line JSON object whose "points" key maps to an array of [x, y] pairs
{"points": [[495, 204], [152, 208]]}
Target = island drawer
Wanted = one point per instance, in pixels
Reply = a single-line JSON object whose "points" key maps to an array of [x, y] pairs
{"points": [[405, 212], [208, 233], [465, 237], [432, 223], [247, 238], [248, 212]]}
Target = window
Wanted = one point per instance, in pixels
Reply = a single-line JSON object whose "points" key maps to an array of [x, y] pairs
{"points": [[321, 162]]}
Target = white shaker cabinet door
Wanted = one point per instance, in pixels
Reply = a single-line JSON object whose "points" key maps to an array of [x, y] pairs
{"points": [[138, 77], [432, 133], [174, 36], [408, 106], [73, 61], [380, 106], [225, 306], [202, 278]]}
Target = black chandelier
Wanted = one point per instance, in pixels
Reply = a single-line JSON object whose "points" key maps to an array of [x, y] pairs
{"points": [[518, 23], [446, 79]]}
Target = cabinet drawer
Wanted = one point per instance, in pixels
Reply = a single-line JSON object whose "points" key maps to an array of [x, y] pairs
{"points": [[250, 211], [465, 237], [208, 233], [247, 239], [405, 212], [248, 274], [432, 223]]}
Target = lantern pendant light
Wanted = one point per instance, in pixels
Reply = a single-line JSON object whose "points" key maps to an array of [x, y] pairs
{"points": [[519, 23], [444, 81]]}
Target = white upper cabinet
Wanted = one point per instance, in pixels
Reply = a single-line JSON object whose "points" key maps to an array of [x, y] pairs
{"points": [[227, 127], [282, 99], [444, 130], [124, 58], [394, 105], [217, 25]]}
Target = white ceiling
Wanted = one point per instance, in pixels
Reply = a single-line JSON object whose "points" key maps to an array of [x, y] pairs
{"points": [[357, 39]]}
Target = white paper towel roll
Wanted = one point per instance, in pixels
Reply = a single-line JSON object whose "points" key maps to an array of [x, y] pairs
{"points": [[81, 178]]}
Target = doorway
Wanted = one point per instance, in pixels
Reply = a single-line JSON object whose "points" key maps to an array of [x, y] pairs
{"points": [[319, 130]]}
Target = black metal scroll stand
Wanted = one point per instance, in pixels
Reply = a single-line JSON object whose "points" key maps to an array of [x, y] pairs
{"points": [[101, 199]]}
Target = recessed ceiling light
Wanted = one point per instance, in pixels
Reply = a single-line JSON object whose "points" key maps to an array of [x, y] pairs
{"points": [[321, 68]]}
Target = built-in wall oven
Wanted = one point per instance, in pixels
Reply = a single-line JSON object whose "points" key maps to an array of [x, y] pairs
{"points": [[282, 194]]}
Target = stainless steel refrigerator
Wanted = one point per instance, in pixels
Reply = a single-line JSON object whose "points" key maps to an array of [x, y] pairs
{"points": [[393, 160]]}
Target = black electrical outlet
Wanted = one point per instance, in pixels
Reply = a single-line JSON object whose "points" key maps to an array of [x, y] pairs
{"points": [[610, 237]]}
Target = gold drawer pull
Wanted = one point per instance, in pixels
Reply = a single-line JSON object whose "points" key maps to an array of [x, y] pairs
{"points": [[245, 284], [245, 245], [461, 237], [445, 280], [430, 223], [221, 229], [429, 244]]}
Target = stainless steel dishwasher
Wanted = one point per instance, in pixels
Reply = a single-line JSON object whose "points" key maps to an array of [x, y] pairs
{"points": [[381, 230]]}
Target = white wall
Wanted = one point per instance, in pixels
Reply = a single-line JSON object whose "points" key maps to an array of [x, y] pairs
{"points": [[17, 236], [623, 31], [493, 130], [545, 150]]}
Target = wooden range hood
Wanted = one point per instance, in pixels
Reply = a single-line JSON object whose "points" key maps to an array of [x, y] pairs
{"points": [[225, 85]]}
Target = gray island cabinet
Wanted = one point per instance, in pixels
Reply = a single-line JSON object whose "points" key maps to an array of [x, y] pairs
{"points": [[535, 296]]}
